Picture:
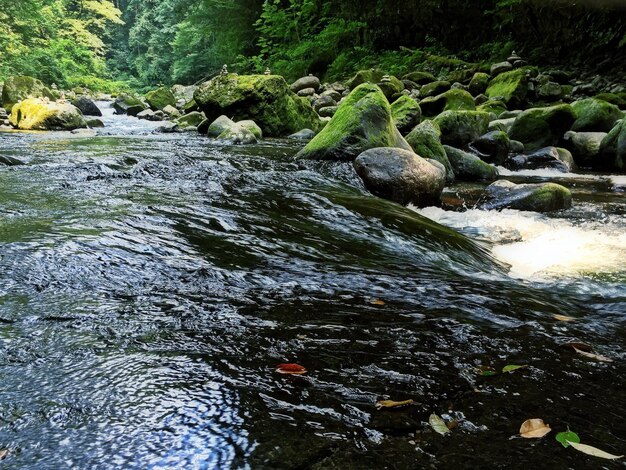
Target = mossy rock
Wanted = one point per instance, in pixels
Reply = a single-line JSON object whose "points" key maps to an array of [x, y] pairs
{"points": [[511, 87], [160, 98], [266, 99], [493, 106], [479, 83], [618, 100], [542, 197], [421, 78], [425, 141], [363, 121], [434, 88], [459, 128], [468, 167], [252, 127], [493, 147], [125, 101], [594, 115], [391, 87], [192, 119], [406, 113], [451, 100], [19, 88], [40, 114], [613, 148], [365, 76], [542, 127]]}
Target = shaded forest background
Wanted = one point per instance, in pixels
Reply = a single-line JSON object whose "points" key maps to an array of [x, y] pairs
{"points": [[106, 45]]}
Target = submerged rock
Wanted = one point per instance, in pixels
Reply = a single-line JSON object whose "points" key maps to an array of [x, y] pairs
{"points": [[468, 167], [401, 176], [542, 127], [40, 114], [363, 121], [542, 197]]}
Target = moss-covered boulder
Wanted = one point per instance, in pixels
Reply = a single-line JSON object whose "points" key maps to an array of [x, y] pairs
{"points": [[511, 87], [401, 176], [618, 100], [434, 88], [542, 127], [420, 78], [365, 76], [492, 147], [585, 147], [546, 158], [363, 121], [127, 103], [219, 125], [192, 119], [252, 127], [160, 98], [492, 106], [406, 113], [266, 99], [613, 148], [468, 167], [459, 128], [451, 100], [479, 83], [43, 115], [391, 87], [594, 115], [19, 88], [542, 197], [425, 141]]}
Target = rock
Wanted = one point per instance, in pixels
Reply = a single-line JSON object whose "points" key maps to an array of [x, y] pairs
{"points": [[323, 101], [184, 93], [237, 135], [434, 88], [406, 113], [617, 100], [264, 98], [190, 119], [365, 76], [252, 126], [362, 121], [517, 146], [500, 67], [3, 114], [478, 84], [190, 106], [511, 87], [160, 98], [149, 115], [585, 147], [421, 78], [20, 88], [203, 127], [550, 91], [400, 176], [492, 147], [548, 157], [220, 125], [594, 115], [327, 111], [10, 161], [40, 114], [451, 100], [459, 128], [87, 106], [306, 82], [304, 134], [501, 125], [128, 104], [613, 148], [95, 123], [306, 92], [493, 106], [171, 111], [425, 141], [84, 132], [543, 197], [167, 128], [390, 86], [468, 167], [333, 94], [481, 99], [542, 127]]}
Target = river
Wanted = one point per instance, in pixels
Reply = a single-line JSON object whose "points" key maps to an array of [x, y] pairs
{"points": [[150, 284]]}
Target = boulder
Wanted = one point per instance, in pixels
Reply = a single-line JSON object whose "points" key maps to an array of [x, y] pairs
{"points": [[501, 125], [542, 197], [492, 147], [190, 119], [468, 167], [511, 87], [585, 147], [406, 113], [613, 148], [594, 115], [500, 67], [95, 123], [420, 78], [306, 82], [434, 88], [550, 91], [264, 98], [160, 98], [304, 134], [135, 109], [306, 92], [451, 100], [365, 76], [219, 125], [126, 104], [20, 88], [203, 127], [171, 111], [252, 126], [542, 127], [323, 101], [40, 114], [327, 111], [425, 141], [478, 84], [459, 128], [182, 92], [362, 121], [149, 115], [87, 106], [237, 135], [493, 106], [401, 176], [545, 158], [390, 86]]}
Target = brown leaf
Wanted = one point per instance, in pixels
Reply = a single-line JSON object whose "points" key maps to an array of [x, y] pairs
{"points": [[577, 345], [292, 369], [534, 428], [392, 404], [563, 318], [595, 356], [377, 302]]}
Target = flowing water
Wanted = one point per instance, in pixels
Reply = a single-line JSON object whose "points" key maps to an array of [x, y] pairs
{"points": [[150, 284]]}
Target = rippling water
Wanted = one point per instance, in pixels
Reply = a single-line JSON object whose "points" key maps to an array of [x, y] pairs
{"points": [[150, 283]]}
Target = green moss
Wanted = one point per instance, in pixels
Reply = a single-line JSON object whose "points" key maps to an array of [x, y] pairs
{"points": [[362, 121], [548, 197], [511, 87], [191, 119], [406, 113], [160, 98], [496, 107], [478, 84], [595, 115], [613, 98], [421, 78], [434, 88], [252, 127], [542, 127], [459, 128], [451, 100], [365, 76], [425, 141], [468, 167]]}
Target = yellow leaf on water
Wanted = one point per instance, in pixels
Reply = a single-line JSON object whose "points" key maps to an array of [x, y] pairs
{"points": [[595, 356], [563, 318], [392, 404], [377, 302], [594, 451], [534, 428]]}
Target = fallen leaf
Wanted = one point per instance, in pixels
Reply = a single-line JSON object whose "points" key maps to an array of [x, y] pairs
{"points": [[452, 424], [595, 356], [534, 428], [512, 367], [438, 424], [563, 318], [294, 369], [377, 302], [392, 404], [566, 437], [577, 345], [594, 451], [3, 453], [485, 371]]}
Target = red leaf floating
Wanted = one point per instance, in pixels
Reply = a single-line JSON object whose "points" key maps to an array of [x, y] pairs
{"points": [[295, 369]]}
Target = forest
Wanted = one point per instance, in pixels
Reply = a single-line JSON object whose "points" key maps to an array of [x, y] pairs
{"points": [[105, 45]]}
